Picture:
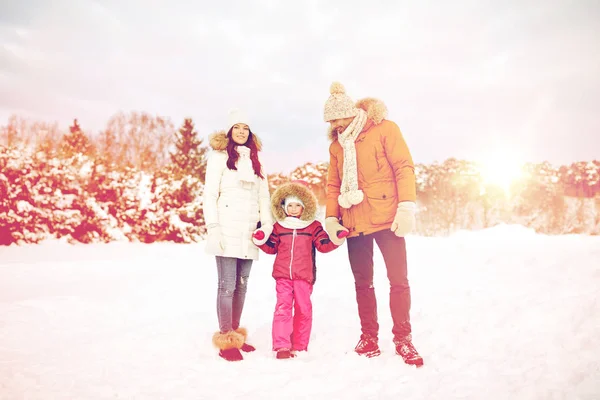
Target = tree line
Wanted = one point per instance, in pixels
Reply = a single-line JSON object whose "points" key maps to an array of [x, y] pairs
{"points": [[141, 179]]}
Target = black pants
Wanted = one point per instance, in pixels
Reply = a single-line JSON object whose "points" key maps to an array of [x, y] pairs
{"points": [[393, 249]]}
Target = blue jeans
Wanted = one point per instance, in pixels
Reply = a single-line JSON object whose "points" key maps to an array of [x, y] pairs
{"points": [[233, 276]]}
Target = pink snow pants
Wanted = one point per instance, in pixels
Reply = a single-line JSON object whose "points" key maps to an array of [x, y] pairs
{"points": [[292, 332]]}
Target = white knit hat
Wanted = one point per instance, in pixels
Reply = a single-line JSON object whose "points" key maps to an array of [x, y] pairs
{"points": [[291, 199], [237, 116], [339, 105]]}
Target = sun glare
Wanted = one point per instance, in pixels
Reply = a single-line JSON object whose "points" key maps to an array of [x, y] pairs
{"points": [[501, 171]]}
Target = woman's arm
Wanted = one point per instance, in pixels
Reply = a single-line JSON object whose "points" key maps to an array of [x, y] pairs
{"points": [[215, 166]]}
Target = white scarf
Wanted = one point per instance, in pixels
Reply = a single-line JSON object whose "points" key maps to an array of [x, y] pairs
{"points": [[350, 194], [294, 223], [244, 167]]}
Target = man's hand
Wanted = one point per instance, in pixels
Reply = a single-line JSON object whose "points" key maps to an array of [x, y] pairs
{"points": [[333, 229], [405, 220]]}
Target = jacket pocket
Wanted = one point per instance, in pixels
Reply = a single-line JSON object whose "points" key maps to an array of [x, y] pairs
{"points": [[382, 205], [371, 160]]}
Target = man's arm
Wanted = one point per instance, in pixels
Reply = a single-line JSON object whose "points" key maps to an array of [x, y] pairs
{"points": [[401, 161], [332, 208]]}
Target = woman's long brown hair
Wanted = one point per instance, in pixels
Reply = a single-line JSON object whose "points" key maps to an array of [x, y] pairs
{"points": [[232, 155]]}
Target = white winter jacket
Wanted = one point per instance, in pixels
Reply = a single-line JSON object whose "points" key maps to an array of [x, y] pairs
{"points": [[235, 206]]}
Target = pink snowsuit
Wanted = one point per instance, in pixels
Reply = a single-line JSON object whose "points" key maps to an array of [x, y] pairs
{"points": [[294, 241], [294, 271]]}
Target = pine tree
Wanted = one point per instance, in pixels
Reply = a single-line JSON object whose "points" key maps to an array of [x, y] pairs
{"points": [[75, 142], [189, 155]]}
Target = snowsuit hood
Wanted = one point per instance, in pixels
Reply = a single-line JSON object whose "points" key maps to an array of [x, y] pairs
{"points": [[295, 188]]}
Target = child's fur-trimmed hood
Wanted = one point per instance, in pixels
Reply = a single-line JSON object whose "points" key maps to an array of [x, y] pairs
{"points": [[376, 112], [300, 190]]}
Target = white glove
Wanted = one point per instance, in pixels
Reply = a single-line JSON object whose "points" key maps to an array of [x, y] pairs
{"points": [[405, 220], [333, 228], [261, 235], [214, 241]]}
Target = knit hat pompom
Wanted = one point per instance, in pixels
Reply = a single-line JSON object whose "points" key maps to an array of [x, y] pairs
{"points": [[337, 88], [339, 105]]}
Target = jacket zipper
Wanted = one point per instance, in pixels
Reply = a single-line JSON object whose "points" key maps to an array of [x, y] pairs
{"points": [[292, 255]]}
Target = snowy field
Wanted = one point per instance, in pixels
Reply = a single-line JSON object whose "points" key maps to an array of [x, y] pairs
{"points": [[497, 314]]}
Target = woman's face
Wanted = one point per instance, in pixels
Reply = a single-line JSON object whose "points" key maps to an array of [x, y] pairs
{"points": [[240, 133]]}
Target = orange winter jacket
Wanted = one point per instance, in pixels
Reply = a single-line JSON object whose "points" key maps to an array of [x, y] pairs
{"points": [[385, 174]]}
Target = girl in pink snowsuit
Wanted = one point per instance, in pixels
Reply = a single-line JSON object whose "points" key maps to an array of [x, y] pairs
{"points": [[295, 236]]}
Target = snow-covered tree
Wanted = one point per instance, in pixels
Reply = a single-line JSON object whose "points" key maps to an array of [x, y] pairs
{"points": [[75, 142], [445, 191], [539, 202], [316, 177], [171, 209], [189, 156], [276, 179]]}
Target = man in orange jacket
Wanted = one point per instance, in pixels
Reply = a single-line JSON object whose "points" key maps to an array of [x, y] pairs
{"points": [[371, 194]]}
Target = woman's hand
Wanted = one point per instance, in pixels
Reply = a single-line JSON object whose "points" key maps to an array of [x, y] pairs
{"points": [[214, 242]]}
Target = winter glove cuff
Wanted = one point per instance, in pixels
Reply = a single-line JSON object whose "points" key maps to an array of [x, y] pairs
{"points": [[405, 220], [332, 227]]}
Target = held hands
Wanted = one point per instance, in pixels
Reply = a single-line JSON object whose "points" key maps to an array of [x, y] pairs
{"points": [[405, 220], [337, 233], [261, 235]]}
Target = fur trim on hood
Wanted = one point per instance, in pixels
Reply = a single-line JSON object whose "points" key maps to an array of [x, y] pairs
{"points": [[376, 112], [299, 190], [219, 140]]}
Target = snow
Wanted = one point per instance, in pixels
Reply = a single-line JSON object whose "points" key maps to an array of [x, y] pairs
{"points": [[502, 313]]}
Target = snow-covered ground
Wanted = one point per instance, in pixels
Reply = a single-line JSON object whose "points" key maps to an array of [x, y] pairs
{"points": [[498, 314]]}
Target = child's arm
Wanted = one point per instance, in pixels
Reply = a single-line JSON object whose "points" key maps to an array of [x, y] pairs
{"points": [[321, 240], [271, 245]]}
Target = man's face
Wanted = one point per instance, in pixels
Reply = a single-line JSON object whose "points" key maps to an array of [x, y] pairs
{"points": [[339, 125]]}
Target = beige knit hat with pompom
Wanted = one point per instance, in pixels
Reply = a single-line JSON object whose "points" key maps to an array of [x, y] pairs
{"points": [[339, 105]]}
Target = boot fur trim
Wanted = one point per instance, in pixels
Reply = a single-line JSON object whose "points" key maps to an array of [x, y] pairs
{"points": [[243, 332], [229, 340]]}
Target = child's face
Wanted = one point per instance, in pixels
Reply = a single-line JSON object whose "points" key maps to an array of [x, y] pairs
{"points": [[294, 210]]}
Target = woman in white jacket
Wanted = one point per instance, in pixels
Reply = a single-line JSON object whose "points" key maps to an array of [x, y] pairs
{"points": [[236, 200]]}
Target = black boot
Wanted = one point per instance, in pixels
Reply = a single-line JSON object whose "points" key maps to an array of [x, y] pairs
{"points": [[367, 346], [407, 351]]}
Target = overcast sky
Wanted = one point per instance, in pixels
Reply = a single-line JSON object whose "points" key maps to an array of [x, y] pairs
{"points": [[462, 79]]}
